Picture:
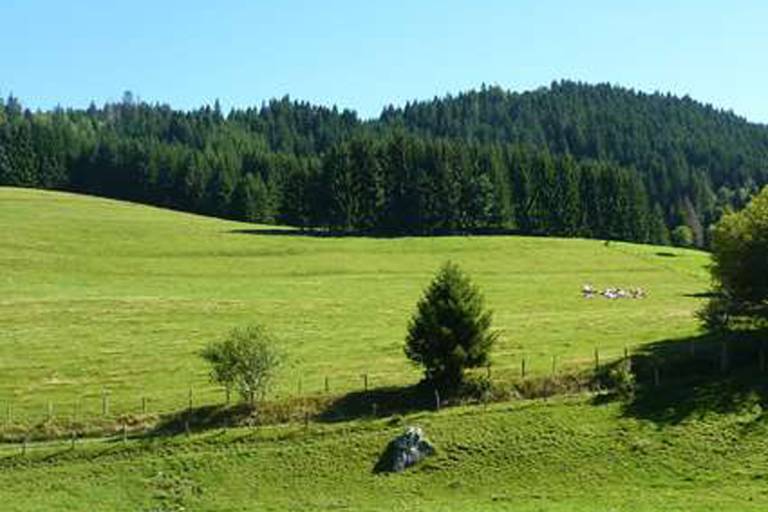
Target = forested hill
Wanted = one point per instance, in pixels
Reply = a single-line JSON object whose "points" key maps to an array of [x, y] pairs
{"points": [[681, 147], [571, 159]]}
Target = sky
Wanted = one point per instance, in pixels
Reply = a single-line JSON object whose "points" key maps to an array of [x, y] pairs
{"points": [[364, 55]]}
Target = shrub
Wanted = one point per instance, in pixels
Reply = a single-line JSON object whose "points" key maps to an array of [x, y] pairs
{"points": [[740, 266], [622, 380], [682, 236], [246, 361]]}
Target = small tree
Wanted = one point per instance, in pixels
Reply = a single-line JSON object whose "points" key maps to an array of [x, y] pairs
{"points": [[246, 361], [450, 330], [682, 236]]}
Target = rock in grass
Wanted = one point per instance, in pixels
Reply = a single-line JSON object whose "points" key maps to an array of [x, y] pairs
{"points": [[404, 451]]}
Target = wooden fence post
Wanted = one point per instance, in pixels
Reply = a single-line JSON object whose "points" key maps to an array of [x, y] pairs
{"points": [[327, 385], [554, 364], [597, 359], [437, 400], [522, 367], [144, 405]]}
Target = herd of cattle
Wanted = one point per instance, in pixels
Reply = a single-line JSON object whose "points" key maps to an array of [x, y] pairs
{"points": [[589, 292]]}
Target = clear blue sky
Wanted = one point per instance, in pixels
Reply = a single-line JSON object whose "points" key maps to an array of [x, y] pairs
{"points": [[365, 54]]}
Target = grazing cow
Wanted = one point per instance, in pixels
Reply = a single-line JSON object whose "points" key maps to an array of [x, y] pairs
{"points": [[588, 292]]}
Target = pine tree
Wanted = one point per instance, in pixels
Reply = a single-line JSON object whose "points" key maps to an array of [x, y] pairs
{"points": [[567, 201], [658, 231], [451, 329], [342, 189]]}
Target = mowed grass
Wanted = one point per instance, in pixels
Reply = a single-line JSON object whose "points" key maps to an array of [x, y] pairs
{"points": [[561, 455], [102, 295]]}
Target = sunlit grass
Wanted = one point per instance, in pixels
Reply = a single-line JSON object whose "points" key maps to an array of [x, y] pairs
{"points": [[560, 455], [103, 296]]}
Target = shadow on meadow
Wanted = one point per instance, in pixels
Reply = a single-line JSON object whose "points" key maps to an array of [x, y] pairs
{"points": [[674, 380], [329, 233], [201, 418], [690, 377], [355, 405], [379, 402], [376, 402]]}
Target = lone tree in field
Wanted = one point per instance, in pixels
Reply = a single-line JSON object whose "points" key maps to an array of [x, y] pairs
{"points": [[740, 267], [450, 330], [246, 361]]}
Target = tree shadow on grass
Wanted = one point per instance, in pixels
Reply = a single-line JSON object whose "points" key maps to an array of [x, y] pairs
{"points": [[312, 233], [378, 402], [202, 418], [321, 408], [330, 233], [702, 295], [690, 377]]}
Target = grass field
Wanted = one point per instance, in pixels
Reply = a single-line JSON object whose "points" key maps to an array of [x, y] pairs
{"points": [[102, 295], [561, 455]]}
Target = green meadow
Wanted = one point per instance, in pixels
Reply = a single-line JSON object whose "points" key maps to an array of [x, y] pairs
{"points": [[107, 297], [557, 455]]}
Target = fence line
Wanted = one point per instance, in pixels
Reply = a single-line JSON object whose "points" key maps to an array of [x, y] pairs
{"points": [[92, 408]]}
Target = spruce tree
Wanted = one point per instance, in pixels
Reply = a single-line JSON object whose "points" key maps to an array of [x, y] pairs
{"points": [[450, 330]]}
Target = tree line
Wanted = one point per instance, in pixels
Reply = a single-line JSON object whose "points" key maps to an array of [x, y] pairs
{"points": [[407, 184], [571, 160]]}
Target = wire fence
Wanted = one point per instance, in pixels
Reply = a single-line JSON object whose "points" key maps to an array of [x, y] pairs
{"points": [[100, 411], [114, 402]]}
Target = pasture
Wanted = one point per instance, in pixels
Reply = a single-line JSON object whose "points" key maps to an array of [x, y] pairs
{"points": [[106, 297], [559, 455]]}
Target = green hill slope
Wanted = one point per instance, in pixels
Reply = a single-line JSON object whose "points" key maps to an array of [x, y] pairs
{"points": [[102, 296], [564, 455]]}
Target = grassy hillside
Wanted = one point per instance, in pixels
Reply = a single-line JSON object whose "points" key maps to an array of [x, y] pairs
{"points": [[564, 455], [101, 295]]}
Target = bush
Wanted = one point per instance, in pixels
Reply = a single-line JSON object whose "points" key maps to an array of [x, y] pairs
{"points": [[622, 380], [451, 330], [715, 314], [740, 266], [682, 236], [246, 361]]}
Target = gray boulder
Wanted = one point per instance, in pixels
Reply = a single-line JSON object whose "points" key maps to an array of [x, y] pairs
{"points": [[404, 451]]}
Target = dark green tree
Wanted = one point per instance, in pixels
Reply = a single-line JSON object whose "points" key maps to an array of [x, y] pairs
{"points": [[450, 330]]}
